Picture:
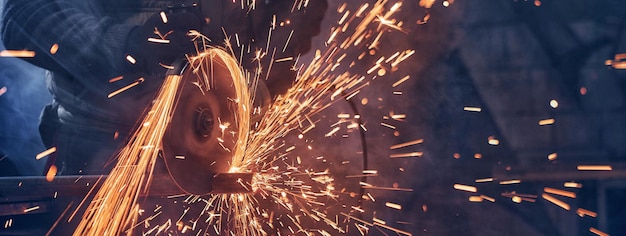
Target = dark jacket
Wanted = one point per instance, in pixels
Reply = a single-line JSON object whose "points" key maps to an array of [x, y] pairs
{"points": [[93, 41]]}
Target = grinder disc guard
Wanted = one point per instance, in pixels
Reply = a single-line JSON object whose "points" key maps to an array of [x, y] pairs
{"points": [[201, 138]]}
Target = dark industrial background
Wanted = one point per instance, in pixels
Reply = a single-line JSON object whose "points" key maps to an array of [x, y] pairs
{"points": [[510, 58]]}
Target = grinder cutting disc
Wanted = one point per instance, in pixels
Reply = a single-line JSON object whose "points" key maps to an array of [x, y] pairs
{"points": [[200, 139]]}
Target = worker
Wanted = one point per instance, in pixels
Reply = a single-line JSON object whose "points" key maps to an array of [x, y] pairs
{"points": [[94, 47]]}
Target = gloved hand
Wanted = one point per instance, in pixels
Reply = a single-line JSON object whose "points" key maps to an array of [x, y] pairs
{"points": [[158, 42]]}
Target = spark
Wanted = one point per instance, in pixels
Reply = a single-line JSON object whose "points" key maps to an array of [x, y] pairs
{"points": [[488, 198], [332, 132], [54, 48], [393, 205], [552, 156], [52, 172], [426, 3], [554, 103], [484, 180], [546, 122], [169, 67], [387, 125], [131, 59], [379, 221], [31, 209], [101, 216], [410, 154], [284, 59], [560, 192], [406, 144], [155, 40], [475, 199], [116, 79], [513, 181], [556, 201], [493, 141], [8, 223], [572, 185], [594, 168], [466, 188], [133, 84], [472, 109], [597, 232], [287, 41], [424, 20], [584, 212], [17, 53], [46, 153], [343, 116], [398, 116], [3, 90], [387, 188], [516, 199], [163, 17]]}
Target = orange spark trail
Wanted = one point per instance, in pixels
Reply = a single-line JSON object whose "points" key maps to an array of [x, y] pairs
{"points": [[111, 210]]}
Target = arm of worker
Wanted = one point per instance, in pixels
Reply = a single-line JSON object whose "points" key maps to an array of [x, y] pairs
{"points": [[89, 47], [92, 48]]}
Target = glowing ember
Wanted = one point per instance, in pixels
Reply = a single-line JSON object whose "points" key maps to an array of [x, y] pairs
{"points": [[393, 205], [594, 167], [475, 199], [560, 192], [54, 49], [484, 180], [131, 59], [472, 109], [584, 212], [52, 172], [8, 223], [572, 185], [133, 84], [155, 40], [46, 153], [493, 141], [513, 181], [163, 17], [17, 53], [410, 143], [488, 198], [552, 156], [31, 209], [597, 232], [546, 121], [554, 104], [556, 201], [116, 79], [465, 188], [410, 154]]}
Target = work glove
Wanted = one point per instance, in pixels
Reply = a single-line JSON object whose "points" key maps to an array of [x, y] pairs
{"points": [[160, 40]]}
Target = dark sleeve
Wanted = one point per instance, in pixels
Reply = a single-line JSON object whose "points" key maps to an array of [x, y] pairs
{"points": [[91, 48]]}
